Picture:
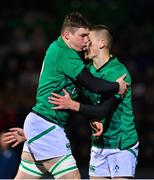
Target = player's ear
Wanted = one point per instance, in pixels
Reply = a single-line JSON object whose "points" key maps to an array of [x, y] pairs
{"points": [[66, 35], [101, 44]]}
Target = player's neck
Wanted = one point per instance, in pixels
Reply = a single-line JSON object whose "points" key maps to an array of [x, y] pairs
{"points": [[66, 41], [101, 59]]}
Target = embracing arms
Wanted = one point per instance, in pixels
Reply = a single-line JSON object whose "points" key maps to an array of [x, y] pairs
{"points": [[98, 85], [94, 111]]}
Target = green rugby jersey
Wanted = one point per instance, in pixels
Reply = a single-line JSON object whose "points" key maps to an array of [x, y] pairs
{"points": [[60, 68], [119, 129]]}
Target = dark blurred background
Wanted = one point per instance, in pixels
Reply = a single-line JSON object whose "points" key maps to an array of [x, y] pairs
{"points": [[27, 27]]}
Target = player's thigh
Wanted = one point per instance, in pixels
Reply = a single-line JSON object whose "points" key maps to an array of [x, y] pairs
{"points": [[24, 175], [63, 167], [71, 175], [29, 168], [95, 177]]}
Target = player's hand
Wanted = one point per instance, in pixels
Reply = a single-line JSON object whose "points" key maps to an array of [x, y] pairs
{"points": [[15, 136], [61, 102], [122, 84], [97, 127]]}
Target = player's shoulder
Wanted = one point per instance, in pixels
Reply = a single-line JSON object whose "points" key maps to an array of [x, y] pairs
{"points": [[119, 65], [66, 52], [116, 69]]}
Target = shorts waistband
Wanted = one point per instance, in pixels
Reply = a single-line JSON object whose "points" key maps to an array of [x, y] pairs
{"points": [[45, 118]]}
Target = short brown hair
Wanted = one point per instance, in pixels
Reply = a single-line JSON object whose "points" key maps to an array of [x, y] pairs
{"points": [[103, 29], [74, 20]]}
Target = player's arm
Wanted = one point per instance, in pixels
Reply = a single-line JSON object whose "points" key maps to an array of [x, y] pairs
{"points": [[101, 110], [94, 111], [98, 85], [75, 69], [65, 102]]}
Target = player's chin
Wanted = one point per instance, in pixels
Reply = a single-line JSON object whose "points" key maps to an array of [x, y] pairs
{"points": [[79, 49]]}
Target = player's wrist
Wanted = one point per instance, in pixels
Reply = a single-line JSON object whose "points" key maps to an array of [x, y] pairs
{"points": [[75, 105]]}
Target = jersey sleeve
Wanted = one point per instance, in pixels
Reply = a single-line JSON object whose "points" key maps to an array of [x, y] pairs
{"points": [[97, 85], [99, 111]]}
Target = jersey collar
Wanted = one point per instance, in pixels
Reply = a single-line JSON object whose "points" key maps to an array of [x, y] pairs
{"points": [[110, 59]]}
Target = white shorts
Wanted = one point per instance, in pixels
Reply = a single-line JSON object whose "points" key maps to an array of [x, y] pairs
{"points": [[45, 140], [113, 162]]}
